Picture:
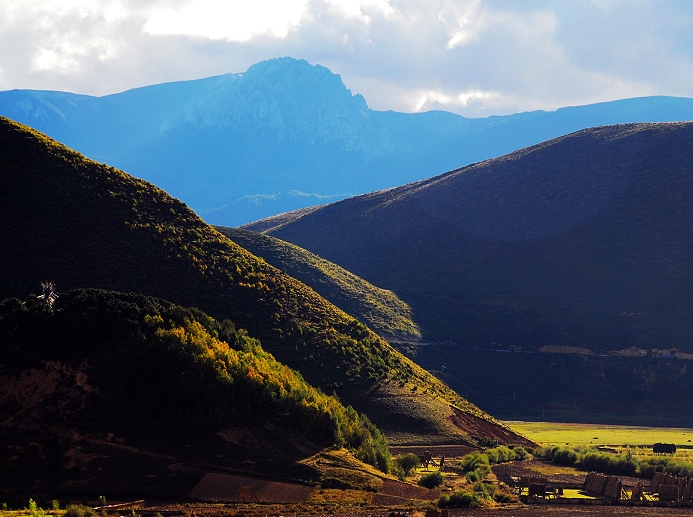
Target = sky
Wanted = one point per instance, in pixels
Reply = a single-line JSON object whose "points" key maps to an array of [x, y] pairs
{"points": [[476, 58]]}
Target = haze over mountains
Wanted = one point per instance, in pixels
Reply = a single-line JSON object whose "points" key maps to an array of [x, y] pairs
{"points": [[287, 134]]}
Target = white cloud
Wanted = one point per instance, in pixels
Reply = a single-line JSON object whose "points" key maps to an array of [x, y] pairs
{"points": [[230, 20], [463, 20], [241, 21], [474, 57], [440, 100]]}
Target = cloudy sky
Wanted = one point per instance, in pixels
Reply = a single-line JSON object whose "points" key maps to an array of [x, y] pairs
{"points": [[472, 57]]}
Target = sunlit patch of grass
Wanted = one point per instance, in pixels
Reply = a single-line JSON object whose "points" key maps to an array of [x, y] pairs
{"points": [[341, 470], [574, 493], [552, 433], [550, 469]]}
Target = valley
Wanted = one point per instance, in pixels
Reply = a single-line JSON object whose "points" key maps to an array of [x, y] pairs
{"points": [[310, 359]]}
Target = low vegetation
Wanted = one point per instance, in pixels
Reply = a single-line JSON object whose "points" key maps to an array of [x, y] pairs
{"points": [[628, 464], [404, 464], [432, 480], [616, 450], [461, 499]]}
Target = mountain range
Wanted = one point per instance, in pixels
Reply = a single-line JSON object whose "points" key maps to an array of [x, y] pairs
{"points": [[286, 134], [579, 245], [84, 224], [118, 355]]}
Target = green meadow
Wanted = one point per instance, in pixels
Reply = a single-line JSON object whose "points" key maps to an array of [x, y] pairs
{"points": [[561, 434]]}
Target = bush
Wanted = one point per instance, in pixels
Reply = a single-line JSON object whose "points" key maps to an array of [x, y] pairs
{"points": [[566, 457], [78, 510], [474, 460], [460, 499], [521, 453], [485, 489], [478, 473], [407, 462], [432, 480]]}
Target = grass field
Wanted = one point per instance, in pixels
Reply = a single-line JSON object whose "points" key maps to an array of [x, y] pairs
{"points": [[552, 433]]}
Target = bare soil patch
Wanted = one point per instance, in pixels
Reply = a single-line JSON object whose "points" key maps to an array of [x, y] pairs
{"points": [[227, 488], [449, 451], [396, 493]]}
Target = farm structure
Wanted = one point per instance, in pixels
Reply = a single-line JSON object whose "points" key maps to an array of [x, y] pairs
{"points": [[670, 488], [604, 486], [534, 487], [664, 448]]}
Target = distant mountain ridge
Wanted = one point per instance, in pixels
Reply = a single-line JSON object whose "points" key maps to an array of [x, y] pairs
{"points": [[287, 134]]}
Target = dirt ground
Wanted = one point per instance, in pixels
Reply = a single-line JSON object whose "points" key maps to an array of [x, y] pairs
{"points": [[566, 479], [517, 511], [575, 511]]}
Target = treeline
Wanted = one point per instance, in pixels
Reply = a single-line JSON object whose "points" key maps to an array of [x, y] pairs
{"points": [[176, 370], [616, 464]]}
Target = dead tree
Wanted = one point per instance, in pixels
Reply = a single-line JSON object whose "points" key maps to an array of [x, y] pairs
{"points": [[49, 294]]}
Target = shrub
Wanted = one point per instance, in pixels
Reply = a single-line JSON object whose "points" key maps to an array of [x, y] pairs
{"points": [[461, 499], [505, 454], [474, 460], [407, 462], [34, 509], [478, 473], [78, 510], [503, 495], [521, 453], [485, 489], [566, 457], [432, 480]]}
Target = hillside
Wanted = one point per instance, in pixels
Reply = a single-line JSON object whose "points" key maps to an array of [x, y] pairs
{"points": [[583, 241], [587, 234], [82, 224], [106, 371], [286, 134], [381, 310]]}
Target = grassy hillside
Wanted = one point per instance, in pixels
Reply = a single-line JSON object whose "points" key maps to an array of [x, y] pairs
{"points": [[124, 395], [170, 370], [582, 241], [82, 224], [378, 308]]}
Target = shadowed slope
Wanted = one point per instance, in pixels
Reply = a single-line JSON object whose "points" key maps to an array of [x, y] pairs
{"points": [[80, 223], [583, 241]]}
